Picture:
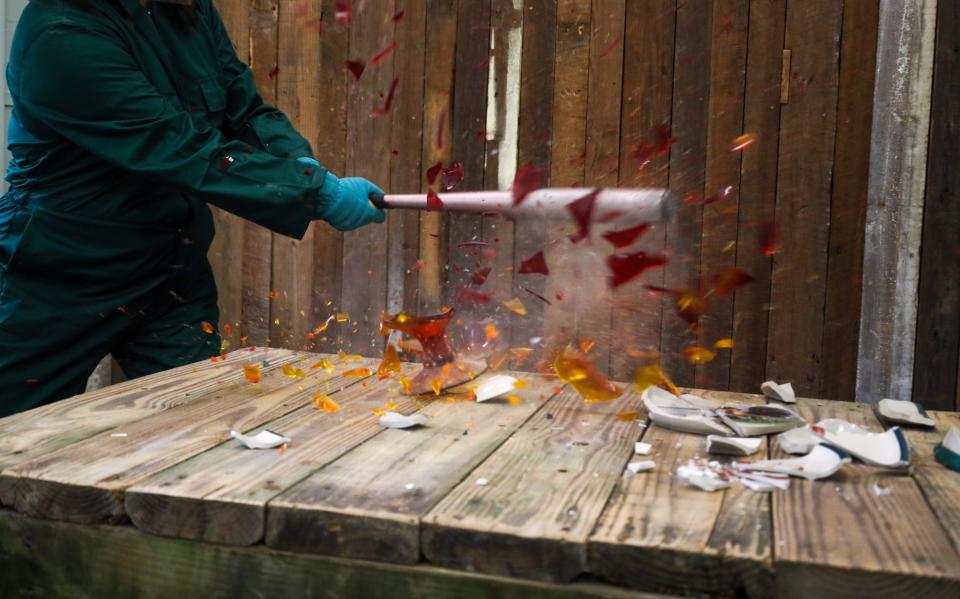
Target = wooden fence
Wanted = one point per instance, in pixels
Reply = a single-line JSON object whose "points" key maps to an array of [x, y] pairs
{"points": [[572, 86]]}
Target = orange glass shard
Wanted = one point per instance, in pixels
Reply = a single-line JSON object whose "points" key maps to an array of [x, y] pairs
{"points": [[325, 403], [728, 280], [273, 295], [406, 385], [628, 416], [586, 345], [742, 142], [516, 306], [698, 355], [491, 332], [342, 317], [358, 372], [227, 330], [436, 385], [320, 329], [520, 384], [379, 412], [207, 328], [575, 369], [292, 372], [514, 400], [390, 405], [725, 343], [325, 364], [251, 372], [282, 449], [650, 375], [390, 363]]}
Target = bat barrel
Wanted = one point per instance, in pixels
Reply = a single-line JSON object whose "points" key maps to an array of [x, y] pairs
{"points": [[649, 205]]}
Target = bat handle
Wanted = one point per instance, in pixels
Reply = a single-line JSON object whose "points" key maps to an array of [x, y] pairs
{"points": [[377, 200]]}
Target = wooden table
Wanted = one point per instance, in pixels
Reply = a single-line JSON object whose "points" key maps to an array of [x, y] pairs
{"points": [[138, 490]]}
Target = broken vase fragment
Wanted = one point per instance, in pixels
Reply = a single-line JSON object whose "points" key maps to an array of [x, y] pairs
{"points": [[686, 414], [263, 440], [904, 412], [888, 449], [396, 420], [780, 392], [822, 462]]}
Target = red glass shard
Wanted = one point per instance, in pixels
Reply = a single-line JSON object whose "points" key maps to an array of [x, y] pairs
{"points": [[625, 238], [534, 265], [432, 173], [727, 281], [479, 276], [719, 195], [274, 72], [398, 16], [433, 201], [582, 210], [690, 305], [769, 238], [382, 54], [469, 295], [609, 49], [388, 103], [642, 153], [356, 67], [528, 178], [226, 162], [470, 244], [452, 176], [342, 12], [626, 267], [663, 138], [537, 295]]}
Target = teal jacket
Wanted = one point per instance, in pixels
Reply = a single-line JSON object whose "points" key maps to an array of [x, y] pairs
{"points": [[128, 123]]}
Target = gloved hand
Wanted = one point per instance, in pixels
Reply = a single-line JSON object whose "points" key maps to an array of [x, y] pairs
{"points": [[344, 203]]}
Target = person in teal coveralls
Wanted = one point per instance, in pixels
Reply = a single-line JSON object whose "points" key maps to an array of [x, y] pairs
{"points": [[129, 117]]}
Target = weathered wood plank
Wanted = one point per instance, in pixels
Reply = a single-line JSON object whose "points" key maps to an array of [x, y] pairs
{"points": [[364, 291], [85, 482], [601, 169], [647, 101], [258, 241], [327, 275], [547, 486], [758, 188], [728, 61], [858, 51], [360, 506], [940, 485], [220, 496], [807, 134], [60, 560], [936, 382], [534, 133], [898, 151], [405, 169], [658, 533], [298, 87], [864, 531], [440, 54], [691, 93], [30, 434]]}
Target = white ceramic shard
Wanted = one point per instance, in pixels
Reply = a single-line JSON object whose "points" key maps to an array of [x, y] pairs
{"points": [[822, 462], [948, 451], [703, 476], [763, 483], [495, 386], [741, 446], [905, 412], [263, 440], [799, 441], [780, 392], [888, 449], [641, 466], [764, 419], [686, 414], [395, 420], [641, 448]]}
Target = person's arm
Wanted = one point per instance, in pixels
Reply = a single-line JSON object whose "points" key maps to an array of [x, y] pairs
{"points": [[248, 116]]}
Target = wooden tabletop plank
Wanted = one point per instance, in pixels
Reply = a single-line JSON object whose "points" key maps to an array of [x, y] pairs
{"points": [[862, 532], [29, 434], [220, 496], [547, 486], [360, 505], [657, 532], [84, 482], [940, 485]]}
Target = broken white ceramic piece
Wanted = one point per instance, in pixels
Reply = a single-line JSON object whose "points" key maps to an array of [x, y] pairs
{"points": [[686, 414], [641, 448], [263, 440], [395, 420], [779, 392], [733, 445], [798, 441], [495, 386], [704, 476], [821, 462], [888, 449], [905, 412], [948, 451], [641, 466], [763, 483]]}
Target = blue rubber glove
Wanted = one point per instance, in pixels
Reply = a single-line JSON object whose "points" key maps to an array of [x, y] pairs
{"points": [[345, 203]]}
